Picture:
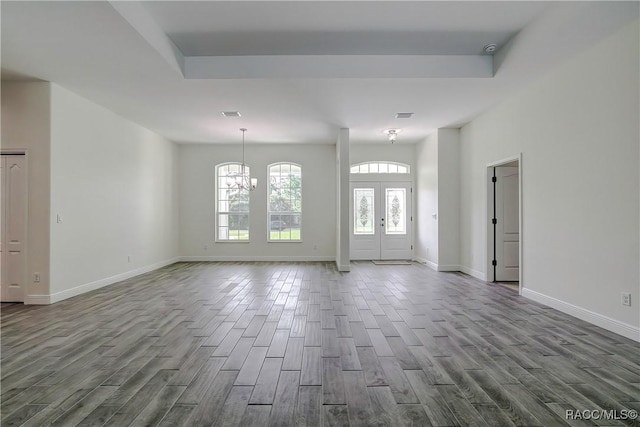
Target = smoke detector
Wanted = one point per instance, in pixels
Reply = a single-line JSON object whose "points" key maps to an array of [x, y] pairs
{"points": [[490, 48]]}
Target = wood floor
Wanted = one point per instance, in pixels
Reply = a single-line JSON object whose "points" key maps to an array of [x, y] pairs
{"points": [[276, 344]]}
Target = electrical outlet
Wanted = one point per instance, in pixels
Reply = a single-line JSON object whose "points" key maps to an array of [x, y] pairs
{"points": [[36, 277], [206, 247], [128, 258], [626, 298]]}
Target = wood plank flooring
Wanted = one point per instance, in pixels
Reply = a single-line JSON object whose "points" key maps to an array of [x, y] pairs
{"points": [[282, 344]]}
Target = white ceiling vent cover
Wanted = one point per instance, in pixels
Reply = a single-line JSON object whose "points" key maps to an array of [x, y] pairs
{"points": [[231, 113]]}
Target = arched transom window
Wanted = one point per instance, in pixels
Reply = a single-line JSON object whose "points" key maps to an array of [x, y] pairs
{"points": [[380, 167]]}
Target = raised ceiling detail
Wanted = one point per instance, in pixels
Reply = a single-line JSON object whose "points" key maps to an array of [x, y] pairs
{"points": [[202, 53], [132, 58], [338, 66]]}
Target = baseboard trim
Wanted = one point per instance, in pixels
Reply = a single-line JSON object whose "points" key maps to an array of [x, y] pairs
{"points": [[343, 268], [471, 272], [37, 300], [441, 267], [256, 258], [78, 290], [438, 267], [600, 320], [431, 265]]}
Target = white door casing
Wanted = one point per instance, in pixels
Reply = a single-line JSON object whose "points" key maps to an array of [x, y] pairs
{"points": [[381, 221], [507, 227], [13, 227]]}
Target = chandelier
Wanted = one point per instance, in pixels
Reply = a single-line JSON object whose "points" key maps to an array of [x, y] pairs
{"points": [[241, 180]]}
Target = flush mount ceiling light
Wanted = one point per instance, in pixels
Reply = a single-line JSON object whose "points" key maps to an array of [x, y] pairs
{"points": [[392, 134], [231, 113], [490, 48], [404, 115], [241, 180]]}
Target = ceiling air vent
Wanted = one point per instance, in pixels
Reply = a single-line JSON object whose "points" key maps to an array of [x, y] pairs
{"points": [[231, 113], [404, 115]]}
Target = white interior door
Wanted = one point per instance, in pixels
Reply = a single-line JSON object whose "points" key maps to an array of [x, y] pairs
{"points": [[12, 243], [381, 222], [508, 225]]}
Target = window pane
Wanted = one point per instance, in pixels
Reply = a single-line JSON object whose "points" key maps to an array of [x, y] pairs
{"points": [[363, 220], [380, 167], [232, 204], [285, 202], [239, 201], [396, 211], [239, 227]]}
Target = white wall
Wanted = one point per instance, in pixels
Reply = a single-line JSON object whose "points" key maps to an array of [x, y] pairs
{"points": [[438, 192], [197, 192], [448, 199], [25, 126], [426, 155], [342, 201], [577, 129], [114, 184]]}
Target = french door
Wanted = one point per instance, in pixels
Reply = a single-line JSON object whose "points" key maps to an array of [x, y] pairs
{"points": [[380, 226]]}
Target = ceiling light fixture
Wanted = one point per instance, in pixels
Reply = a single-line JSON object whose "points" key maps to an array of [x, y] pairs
{"points": [[490, 48], [392, 134], [241, 180]]}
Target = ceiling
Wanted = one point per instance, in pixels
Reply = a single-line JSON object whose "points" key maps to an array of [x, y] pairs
{"points": [[297, 70]]}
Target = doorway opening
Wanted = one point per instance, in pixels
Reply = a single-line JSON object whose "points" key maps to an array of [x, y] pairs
{"points": [[504, 223]]}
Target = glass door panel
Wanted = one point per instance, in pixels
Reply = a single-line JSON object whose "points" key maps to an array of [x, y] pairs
{"points": [[363, 212], [380, 226], [396, 209]]}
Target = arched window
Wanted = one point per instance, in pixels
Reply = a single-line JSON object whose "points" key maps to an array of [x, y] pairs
{"points": [[380, 167], [232, 204], [284, 212]]}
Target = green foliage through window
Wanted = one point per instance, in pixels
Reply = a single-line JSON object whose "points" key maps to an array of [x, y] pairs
{"points": [[232, 205], [285, 202]]}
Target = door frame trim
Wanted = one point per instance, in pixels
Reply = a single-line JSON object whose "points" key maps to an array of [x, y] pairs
{"points": [[488, 212]]}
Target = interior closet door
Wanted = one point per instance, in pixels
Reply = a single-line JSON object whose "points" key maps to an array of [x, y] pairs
{"points": [[13, 228]]}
